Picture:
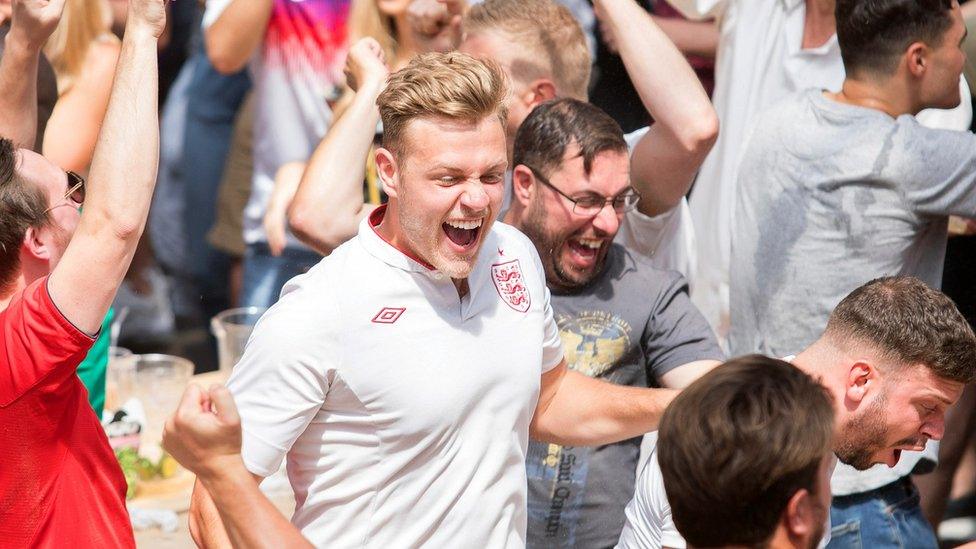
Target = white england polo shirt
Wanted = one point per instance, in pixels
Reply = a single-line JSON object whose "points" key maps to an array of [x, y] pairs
{"points": [[403, 409]]}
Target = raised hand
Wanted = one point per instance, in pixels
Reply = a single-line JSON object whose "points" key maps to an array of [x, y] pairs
{"points": [[205, 432], [436, 24], [148, 14], [366, 64], [34, 20]]}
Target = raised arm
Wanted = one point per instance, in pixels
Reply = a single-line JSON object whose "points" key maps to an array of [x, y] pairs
{"points": [[665, 161], [577, 410], [236, 33], [121, 182], [32, 23], [328, 205]]}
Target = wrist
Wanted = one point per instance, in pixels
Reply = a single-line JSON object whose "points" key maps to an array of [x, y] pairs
{"points": [[220, 470], [19, 42]]}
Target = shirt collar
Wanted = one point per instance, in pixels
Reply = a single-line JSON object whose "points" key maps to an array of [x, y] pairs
{"points": [[386, 252]]}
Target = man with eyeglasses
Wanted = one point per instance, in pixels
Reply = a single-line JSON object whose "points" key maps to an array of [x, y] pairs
{"points": [[60, 483], [620, 318]]}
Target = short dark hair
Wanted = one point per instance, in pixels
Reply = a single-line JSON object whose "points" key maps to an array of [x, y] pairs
{"points": [[541, 140], [909, 323], [737, 444], [22, 206], [873, 34]]}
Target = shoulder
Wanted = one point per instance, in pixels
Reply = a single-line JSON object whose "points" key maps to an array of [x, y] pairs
{"points": [[654, 280]]}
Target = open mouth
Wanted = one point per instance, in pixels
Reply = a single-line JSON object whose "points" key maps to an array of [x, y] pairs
{"points": [[585, 249], [463, 233]]}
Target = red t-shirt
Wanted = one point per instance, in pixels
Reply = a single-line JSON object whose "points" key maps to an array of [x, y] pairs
{"points": [[60, 484]]}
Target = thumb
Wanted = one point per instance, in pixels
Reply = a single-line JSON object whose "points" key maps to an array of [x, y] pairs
{"points": [[223, 402], [193, 400]]}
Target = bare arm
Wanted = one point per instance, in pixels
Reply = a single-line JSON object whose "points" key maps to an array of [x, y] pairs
{"points": [[691, 37], [73, 128], [237, 33], [121, 182], [32, 23], [329, 203], [665, 161], [577, 410], [686, 374], [204, 435]]}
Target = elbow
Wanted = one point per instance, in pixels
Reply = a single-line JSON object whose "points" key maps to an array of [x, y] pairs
{"points": [[304, 224], [223, 56], [699, 137]]}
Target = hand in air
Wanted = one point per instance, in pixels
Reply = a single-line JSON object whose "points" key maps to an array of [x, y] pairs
{"points": [[366, 64], [148, 14], [204, 434], [436, 24], [35, 20]]}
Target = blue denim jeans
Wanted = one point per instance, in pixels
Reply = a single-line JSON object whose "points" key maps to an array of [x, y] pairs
{"points": [[887, 517], [265, 274]]}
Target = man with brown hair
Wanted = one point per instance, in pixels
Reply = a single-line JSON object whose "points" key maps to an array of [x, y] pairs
{"points": [[60, 483], [895, 355], [403, 375], [745, 456]]}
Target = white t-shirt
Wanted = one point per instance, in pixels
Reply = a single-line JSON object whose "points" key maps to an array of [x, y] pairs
{"points": [[648, 522], [760, 61], [296, 70], [403, 410]]}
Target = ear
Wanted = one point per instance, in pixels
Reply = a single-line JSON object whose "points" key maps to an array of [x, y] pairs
{"points": [[539, 91], [387, 170], [917, 58], [34, 245], [862, 378], [798, 517], [523, 185]]}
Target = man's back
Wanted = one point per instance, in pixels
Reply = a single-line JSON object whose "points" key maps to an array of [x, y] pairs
{"points": [[832, 195]]}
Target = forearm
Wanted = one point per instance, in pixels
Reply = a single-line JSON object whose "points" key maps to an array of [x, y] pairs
{"points": [[18, 90], [589, 412], [691, 37], [665, 161], [237, 33], [248, 516], [329, 202]]}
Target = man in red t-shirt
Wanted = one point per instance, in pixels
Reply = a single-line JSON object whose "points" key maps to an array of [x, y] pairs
{"points": [[60, 484]]}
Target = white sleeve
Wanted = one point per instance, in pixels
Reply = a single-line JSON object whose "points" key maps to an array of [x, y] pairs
{"points": [[647, 518], [213, 11], [667, 240], [552, 344], [281, 382]]}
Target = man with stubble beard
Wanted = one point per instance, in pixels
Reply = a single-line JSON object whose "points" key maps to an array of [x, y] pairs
{"points": [[620, 318]]}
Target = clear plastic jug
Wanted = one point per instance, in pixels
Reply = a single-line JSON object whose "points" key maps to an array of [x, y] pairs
{"points": [[232, 328]]}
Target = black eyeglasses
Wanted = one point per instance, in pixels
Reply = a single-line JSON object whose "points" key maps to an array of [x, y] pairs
{"points": [[75, 193], [591, 203]]}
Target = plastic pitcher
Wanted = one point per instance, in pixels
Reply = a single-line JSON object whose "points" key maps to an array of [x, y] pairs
{"points": [[159, 383], [232, 328]]}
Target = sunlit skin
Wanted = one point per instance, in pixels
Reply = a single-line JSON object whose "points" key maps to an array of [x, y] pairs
{"points": [[36, 170], [449, 172], [393, 8], [907, 412], [573, 247], [945, 65]]}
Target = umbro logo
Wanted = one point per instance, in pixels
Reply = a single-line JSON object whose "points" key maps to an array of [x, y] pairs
{"points": [[388, 315]]}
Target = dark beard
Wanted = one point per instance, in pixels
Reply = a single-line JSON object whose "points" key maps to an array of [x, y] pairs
{"points": [[862, 435], [548, 246]]}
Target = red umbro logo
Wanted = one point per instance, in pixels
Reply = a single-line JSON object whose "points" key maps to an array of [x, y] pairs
{"points": [[388, 315]]}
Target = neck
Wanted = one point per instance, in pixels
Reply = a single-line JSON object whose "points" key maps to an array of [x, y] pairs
{"points": [[889, 96], [407, 46], [819, 23], [16, 286], [822, 361]]}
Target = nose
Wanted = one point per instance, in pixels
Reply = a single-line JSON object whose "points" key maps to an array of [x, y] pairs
{"points": [[607, 220], [475, 197], [934, 428]]}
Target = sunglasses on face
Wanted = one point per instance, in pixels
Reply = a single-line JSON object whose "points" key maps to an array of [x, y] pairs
{"points": [[75, 193]]}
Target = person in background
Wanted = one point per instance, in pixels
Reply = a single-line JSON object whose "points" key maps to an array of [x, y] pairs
{"points": [[295, 51], [838, 188], [83, 52], [60, 268], [745, 455], [46, 87]]}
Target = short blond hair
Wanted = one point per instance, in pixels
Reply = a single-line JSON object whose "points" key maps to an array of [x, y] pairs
{"points": [[549, 34], [449, 85]]}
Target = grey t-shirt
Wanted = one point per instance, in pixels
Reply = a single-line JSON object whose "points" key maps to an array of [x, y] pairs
{"points": [[831, 196], [631, 325]]}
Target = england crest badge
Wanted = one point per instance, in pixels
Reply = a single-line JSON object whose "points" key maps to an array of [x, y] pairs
{"points": [[510, 284]]}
